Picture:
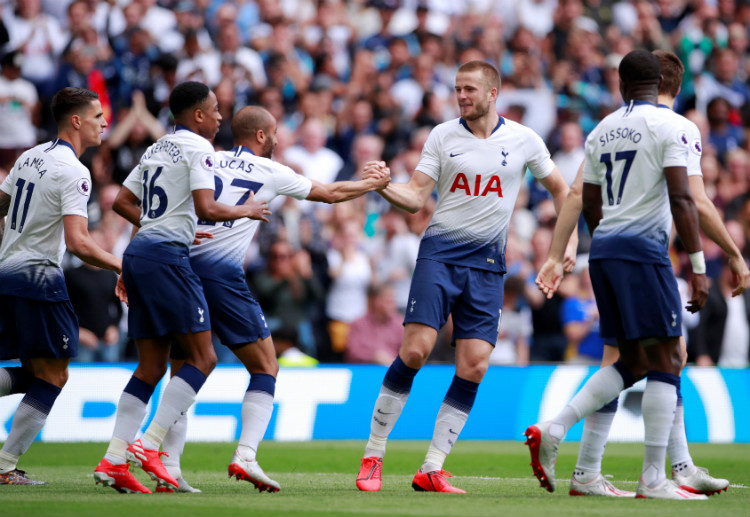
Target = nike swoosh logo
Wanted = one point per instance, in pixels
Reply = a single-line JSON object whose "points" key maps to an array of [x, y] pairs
{"points": [[452, 155], [382, 413], [452, 431]]}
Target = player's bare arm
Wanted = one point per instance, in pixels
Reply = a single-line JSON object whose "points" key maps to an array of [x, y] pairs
{"points": [[207, 209], [410, 196], [712, 225], [551, 274], [80, 244], [128, 206], [556, 186], [375, 176], [4, 207], [685, 216], [591, 205]]}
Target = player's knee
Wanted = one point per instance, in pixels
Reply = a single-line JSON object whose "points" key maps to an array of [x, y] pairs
{"points": [[61, 377], [206, 362], [414, 357], [150, 373]]}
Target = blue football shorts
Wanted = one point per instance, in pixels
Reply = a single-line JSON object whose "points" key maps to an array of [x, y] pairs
{"points": [[31, 329], [636, 300], [163, 298], [473, 296]]}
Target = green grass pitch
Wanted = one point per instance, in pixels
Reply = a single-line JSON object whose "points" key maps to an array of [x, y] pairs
{"points": [[317, 478]]}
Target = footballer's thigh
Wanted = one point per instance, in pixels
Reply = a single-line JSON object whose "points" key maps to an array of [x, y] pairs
{"points": [[472, 358], [199, 350], [417, 344], [153, 357], [610, 355], [259, 357], [53, 370]]}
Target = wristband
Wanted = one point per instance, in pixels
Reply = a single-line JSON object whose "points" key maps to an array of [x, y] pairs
{"points": [[698, 262]]}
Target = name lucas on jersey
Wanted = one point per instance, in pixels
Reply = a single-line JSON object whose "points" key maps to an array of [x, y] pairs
{"points": [[462, 183], [235, 164], [620, 133]]}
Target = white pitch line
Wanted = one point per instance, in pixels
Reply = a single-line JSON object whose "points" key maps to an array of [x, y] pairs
{"points": [[482, 478]]}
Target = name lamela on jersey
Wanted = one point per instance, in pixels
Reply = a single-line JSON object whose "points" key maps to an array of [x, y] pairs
{"points": [[621, 133], [35, 163]]}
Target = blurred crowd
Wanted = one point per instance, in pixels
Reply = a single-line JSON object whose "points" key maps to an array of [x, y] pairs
{"points": [[352, 81]]}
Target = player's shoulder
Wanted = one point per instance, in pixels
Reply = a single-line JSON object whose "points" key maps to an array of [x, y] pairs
{"points": [[522, 133], [59, 157], [447, 127]]}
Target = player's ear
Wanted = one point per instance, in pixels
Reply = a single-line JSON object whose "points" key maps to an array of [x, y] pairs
{"points": [[75, 121]]}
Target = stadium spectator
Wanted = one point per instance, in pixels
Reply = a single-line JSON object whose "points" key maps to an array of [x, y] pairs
{"points": [[722, 336], [92, 294], [514, 327], [376, 336], [19, 109], [287, 290], [580, 319], [350, 271]]}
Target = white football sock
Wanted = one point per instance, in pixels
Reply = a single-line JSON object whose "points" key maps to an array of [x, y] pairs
{"points": [[174, 446], [677, 448], [602, 387], [448, 425], [177, 398], [387, 409], [593, 441], [128, 420], [657, 406], [6, 382], [257, 408]]}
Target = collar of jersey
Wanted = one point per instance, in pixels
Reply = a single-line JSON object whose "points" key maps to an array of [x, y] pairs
{"points": [[640, 103], [60, 141], [178, 127], [663, 106], [465, 125], [241, 149]]}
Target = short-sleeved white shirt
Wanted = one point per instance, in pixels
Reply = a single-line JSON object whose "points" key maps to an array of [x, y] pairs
{"points": [[692, 140], [626, 155], [238, 172], [478, 181], [164, 180], [46, 183]]}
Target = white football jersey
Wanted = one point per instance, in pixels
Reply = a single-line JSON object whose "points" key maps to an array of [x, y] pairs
{"points": [[626, 155], [164, 180], [477, 182], [237, 173], [46, 183], [692, 140]]}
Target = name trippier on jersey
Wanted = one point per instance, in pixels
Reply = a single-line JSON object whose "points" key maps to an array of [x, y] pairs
{"points": [[624, 133], [163, 146]]}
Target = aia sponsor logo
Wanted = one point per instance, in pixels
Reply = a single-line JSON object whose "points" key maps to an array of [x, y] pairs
{"points": [[480, 186]]}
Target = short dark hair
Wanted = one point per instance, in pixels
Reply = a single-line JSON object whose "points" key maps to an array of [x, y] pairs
{"points": [[639, 66], [248, 121], [672, 70], [70, 100], [187, 95]]}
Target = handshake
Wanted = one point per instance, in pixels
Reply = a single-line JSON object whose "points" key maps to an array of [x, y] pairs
{"points": [[378, 173]]}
